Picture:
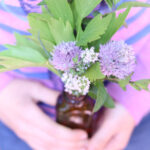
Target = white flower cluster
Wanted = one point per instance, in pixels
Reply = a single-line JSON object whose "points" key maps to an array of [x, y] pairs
{"points": [[89, 56], [75, 84]]}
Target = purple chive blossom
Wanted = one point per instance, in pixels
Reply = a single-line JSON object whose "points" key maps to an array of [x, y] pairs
{"points": [[117, 59], [63, 54]]}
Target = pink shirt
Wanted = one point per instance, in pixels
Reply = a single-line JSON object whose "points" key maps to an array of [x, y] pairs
{"points": [[137, 34]]}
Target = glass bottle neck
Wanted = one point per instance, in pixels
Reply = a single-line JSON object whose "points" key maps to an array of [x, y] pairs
{"points": [[74, 99]]}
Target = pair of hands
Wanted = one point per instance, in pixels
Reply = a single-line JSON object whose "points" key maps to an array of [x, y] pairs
{"points": [[18, 110]]}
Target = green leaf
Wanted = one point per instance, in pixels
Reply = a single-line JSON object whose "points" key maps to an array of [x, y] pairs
{"points": [[47, 44], [135, 86], [10, 63], [141, 84], [113, 27], [23, 41], [51, 68], [93, 91], [24, 53], [40, 26], [123, 83], [25, 49], [101, 96], [81, 9], [116, 1], [45, 15], [60, 31], [60, 9], [42, 3], [40, 29], [109, 103], [2, 67], [94, 72], [94, 29], [133, 4], [109, 3]]}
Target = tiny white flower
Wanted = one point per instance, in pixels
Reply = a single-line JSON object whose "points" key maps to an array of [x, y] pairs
{"points": [[89, 55], [75, 84]]}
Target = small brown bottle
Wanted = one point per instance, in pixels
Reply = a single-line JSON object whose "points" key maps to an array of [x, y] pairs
{"points": [[75, 112]]}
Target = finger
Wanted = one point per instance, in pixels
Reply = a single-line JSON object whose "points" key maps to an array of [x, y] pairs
{"points": [[43, 122], [35, 136], [101, 138], [118, 142], [40, 143], [44, 94]]}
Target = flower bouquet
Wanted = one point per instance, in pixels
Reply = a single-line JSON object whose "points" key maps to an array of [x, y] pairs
{"points": [[73, 40]]}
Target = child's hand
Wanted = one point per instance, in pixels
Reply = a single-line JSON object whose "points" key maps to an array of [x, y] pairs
{"points": [[18, 110], [115, 129]]}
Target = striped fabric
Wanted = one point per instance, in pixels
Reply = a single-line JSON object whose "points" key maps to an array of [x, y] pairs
{"points": [[138, 35], [13, 19]]}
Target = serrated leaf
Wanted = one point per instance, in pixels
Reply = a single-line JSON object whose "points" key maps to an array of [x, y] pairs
{"points": [[94, 73], [60, 9], [40, 29], [101, 96], [47, 44], [123, 83], [133, 4], [93, 91], [14, 63], [45, 15], [141, 84], [109, 3], [113, 27], [94, 29], [39, 26], [81, 9], [10, 63], [135, 86], [24, 53], [60, 31], [109, 103], [23, 41]]}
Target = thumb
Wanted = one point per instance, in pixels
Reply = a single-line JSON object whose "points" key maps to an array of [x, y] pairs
{"points": [[41, 93]]}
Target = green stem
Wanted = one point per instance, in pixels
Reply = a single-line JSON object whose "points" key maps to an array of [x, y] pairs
{"points": [[111, 79]]}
